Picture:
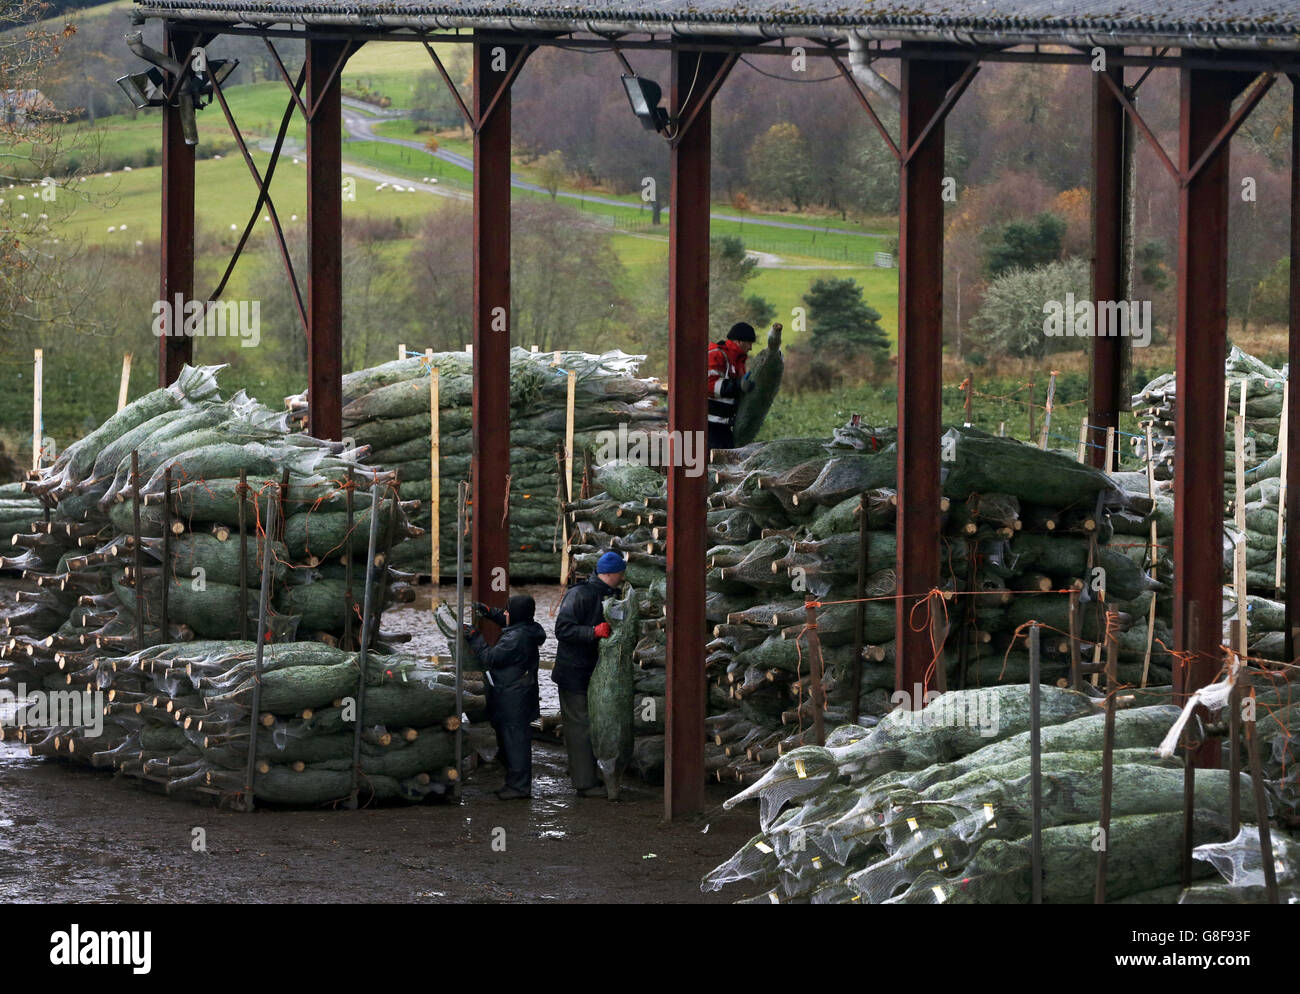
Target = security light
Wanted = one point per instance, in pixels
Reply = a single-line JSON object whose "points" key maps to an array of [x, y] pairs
{"points": [[644, 95], [197, 78], [144, 89]]}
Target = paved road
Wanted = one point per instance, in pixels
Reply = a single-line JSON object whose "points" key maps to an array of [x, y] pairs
{"points": [[360, 127]]}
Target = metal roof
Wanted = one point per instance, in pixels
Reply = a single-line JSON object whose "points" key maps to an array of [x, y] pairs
{"points": [[1235, 24]]}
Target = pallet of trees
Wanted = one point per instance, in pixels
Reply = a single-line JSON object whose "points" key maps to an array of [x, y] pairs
{"points": [[1156, 405], [152, 531], [1254, 544], [184, 716], [933, 807], [387, 408], [793, 521]]}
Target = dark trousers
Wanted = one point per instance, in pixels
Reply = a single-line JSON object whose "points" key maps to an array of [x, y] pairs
{"points": [[577, 740], [512, 723], [720, 436]]}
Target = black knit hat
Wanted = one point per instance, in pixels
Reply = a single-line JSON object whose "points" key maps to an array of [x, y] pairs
{"points": [[742, 332], [521, 608]]}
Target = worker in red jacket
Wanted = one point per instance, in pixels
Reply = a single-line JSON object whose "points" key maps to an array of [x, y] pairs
{"points": [[727, 381]]}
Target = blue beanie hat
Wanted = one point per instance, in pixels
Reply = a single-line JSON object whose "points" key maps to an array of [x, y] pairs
{"points": [[611, 562]]}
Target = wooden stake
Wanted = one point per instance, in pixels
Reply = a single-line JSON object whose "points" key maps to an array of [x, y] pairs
{"points": [[1261, 807], [435, 477], [1110, 449], [1234, 748], [1035, 771], [38, 373], [370, 607], [1281, 496], [818, 691], [1155, 558], [166, 553], [568, 469], [1108, 757], [124, 387], [1031, 412], [860, 609], [1083, 441], [1047, 410], [1076, 677], [401, 351], [243, 553], [349, 598], [139, 550], [1239, 550], [568, 433]]}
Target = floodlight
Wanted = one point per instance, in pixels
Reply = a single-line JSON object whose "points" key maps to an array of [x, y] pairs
{"points": [[644, 95], [144, 89]]}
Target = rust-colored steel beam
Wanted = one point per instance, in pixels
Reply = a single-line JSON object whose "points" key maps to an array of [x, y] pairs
{"points": [[1205, 106], [490, 528], [924, 97], [175, 348], [325, 239], [688, 342], [264, 197], [1292, 512], [866, 105], [1106, 381], [264, 189]]}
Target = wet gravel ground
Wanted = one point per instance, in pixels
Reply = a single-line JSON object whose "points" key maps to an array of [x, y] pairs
{"points": [[68, 834]]}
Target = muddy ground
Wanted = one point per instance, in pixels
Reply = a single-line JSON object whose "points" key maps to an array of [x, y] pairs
{"points": [[73, 835]]}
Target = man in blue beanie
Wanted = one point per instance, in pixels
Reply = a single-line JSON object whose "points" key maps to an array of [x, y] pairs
{"points": [[510, 669], [579, 627]]}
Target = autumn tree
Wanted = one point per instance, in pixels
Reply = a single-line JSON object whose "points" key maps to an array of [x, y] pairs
{"points": [[550, 170], [779, 166]]}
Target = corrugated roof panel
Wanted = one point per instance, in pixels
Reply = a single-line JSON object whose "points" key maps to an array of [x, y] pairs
{"points": [[1199, 19]]}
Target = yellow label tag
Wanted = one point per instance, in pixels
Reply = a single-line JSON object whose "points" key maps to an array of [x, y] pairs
{"points": [[798, 768], [988, 812], [817, 862], [771, 896], [911, 823], [938, 852], [939, 895], [763, 847]]}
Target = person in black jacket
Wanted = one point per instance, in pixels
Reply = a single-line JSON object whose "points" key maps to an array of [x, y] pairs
{"points": [[579, 627], [510, 671]]}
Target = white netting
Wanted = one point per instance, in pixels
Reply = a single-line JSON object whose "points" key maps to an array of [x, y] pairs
{"points": [[1241, 862]]}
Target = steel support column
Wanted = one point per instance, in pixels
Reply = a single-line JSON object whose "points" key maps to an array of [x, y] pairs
{"points": [[1291, 576], [1106, 394], [324, 240], [688, 342], [490, 529], [175, 349], [1204, 108], [924, 84]]}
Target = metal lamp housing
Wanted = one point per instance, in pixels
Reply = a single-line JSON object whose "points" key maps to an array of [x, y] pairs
{"points": [[144, 89], [644, 96]]}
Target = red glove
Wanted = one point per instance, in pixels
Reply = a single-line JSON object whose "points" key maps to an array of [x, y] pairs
{"points": [[602, 631]]}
